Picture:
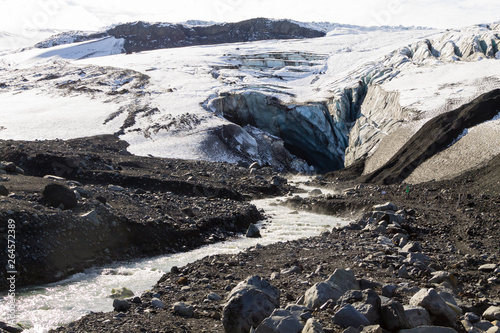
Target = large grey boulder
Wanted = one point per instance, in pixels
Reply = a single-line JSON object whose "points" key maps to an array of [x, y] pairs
{"points": [[367, 302], [333, 288], [349, 316], [436, 306], [280, 321], [250, 302], [417, 316], [121, 305], [344, 279], [393, 316]]}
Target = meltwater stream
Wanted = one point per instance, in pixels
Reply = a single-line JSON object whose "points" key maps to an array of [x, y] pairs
{"points": [[42, 308]]}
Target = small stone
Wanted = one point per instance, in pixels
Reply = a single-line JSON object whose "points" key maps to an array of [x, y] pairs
{"points": [[92, 217], [121, 305], [116, 188], [183, 281], [492, 313], [213, 297], [412, 247], [291, 270], [442, 276], [471, 317], [487, 267], [385, 207], [429, 329], [312, 326], [3, 191], [121, 293], [183, 309], [403, 272], [253, 231], [157, 303], [54, 177]]}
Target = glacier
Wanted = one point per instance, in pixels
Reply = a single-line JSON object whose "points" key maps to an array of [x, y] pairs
{"points": [[356, 93]]}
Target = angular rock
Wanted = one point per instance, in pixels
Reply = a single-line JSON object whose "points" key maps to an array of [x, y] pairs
{"points": [[492, 313], [278, 181], [291, 270], [320, 293], [312, 326], [183, 309], [253, 231], [403, 272], [344, 279], [429, 329], [435, 305], [280, 321], [121, 305], [3, 191], [412, 247], [393, 316], [389, 290], [367, 302], [92, 217], [443, 276], [385, 207], [417, 316], [8, 167], [250, 302], [57, 195], [349, 316]]}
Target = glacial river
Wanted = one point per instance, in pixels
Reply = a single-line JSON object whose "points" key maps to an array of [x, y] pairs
{"points": [[42, 308]]}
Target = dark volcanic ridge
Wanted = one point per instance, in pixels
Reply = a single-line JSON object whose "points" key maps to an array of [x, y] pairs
{"points": [[143, 36]]}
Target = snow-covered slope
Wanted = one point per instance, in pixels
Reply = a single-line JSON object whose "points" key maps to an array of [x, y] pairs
{"points": [[352, 93]]}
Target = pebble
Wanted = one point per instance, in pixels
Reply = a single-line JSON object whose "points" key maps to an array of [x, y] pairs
{"points": [[156, 303]]}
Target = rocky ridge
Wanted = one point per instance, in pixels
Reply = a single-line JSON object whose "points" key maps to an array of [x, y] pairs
{"points": [[143, 36]]}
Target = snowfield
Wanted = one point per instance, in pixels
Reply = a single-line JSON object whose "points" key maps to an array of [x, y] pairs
{"points": [[164, 102]]}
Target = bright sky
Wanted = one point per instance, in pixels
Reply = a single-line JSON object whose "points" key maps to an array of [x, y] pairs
{"points": [[22, 15]]}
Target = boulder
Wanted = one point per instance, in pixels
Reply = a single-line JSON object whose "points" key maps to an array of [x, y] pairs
{"points": [[8, 167], [183, 309], [344, 279], [367, 302], [429, 329], [250, 302], [417, 316], [57, 195], [393, 316], [436, 306], [312, 326], [280, 321], [492, 313], [488, 267], [121, 305], [349, 316], [253, 231], [320, 293]]}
